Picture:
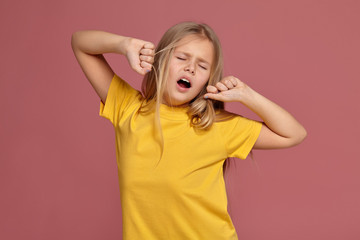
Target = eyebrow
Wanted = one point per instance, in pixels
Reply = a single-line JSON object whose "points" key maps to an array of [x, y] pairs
{"points": [[189, 55]]}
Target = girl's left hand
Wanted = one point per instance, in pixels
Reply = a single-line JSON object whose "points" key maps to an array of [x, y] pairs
{"points": [[280, 130], [229, 89]]}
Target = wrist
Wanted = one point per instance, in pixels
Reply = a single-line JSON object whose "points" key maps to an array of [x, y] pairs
{"points": [[247, 95], [120, 44]]}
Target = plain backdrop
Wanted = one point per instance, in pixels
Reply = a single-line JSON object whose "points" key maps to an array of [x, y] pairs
{"points": [[58, 173]]}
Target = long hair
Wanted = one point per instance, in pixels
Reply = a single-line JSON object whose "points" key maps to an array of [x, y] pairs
{"points": [[202, 112]]}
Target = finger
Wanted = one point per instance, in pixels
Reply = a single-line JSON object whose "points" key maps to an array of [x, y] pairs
{"points": [[228, 83], [148, 59], [220, 86], [211, 89], [234, 81], [149, 45], [145, 65], [147, 52], [214, 96]]}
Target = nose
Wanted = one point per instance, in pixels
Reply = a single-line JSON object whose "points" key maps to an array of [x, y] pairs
{"points": [[190, 68]]}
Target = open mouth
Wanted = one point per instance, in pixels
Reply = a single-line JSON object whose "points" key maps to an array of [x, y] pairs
{"points": [[184, 83]]}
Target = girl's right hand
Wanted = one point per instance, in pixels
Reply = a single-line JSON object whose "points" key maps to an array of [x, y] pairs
{"points": [[140, 55]]}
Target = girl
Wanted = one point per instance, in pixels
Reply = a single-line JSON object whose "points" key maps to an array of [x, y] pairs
{"points": [[173, 138]]}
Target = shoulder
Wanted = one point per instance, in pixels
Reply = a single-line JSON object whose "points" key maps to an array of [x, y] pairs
{"points": [[230, 123], [121, 98], [123, 91], [119, 83], [224, 117], [238, 133]]}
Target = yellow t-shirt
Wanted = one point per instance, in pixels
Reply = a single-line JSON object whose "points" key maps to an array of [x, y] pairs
{"points": [[183, 195]]}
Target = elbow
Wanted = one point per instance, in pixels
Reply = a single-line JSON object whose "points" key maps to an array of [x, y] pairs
{"points": [[300, 137], [73, 40]]}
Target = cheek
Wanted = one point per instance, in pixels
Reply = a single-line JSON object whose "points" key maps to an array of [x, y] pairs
{"points": [[204, 79], [201, 85]]}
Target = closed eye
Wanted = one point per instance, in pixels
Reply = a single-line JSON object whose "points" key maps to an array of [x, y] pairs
{"points": [[203, 67], [180, 58]]}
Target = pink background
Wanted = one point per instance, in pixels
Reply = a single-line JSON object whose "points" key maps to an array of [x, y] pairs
{"points": [[58, 176]]}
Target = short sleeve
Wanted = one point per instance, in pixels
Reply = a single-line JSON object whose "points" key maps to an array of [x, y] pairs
{"points": [[120, 96], [241, 136]]}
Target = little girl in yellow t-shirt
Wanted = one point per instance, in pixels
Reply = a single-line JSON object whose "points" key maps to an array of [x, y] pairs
{"points": [[173, 137]]}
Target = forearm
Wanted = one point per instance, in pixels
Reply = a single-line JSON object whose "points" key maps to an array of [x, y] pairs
{"points": [[98, 42], [275, 117]]}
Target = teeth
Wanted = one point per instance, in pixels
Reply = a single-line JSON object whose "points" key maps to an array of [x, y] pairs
{"points": [[185, 80]]}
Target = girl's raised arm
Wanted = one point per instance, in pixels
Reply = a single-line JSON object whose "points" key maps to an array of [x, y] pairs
{"points": [[89, 47], [281, 129]]}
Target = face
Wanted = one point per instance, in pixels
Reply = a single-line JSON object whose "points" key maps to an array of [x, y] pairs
{"points": [[189, 70]]}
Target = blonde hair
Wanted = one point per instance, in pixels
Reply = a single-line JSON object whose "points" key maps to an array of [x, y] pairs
{"points": [[202, 112]]}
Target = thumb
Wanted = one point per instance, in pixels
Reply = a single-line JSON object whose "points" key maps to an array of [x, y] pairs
{"points": [[214, 96], [137, 68], [141, 70], [135, 64]]}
